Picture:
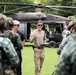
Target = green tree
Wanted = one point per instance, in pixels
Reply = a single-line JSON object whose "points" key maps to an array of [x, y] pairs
{"points": [[66, 3]]}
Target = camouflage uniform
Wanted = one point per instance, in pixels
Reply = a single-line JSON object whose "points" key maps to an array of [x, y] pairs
{"points": [[15, 39], [63, 43], [38, 50], [67, 62], [10, 35], [65, 33], [65, 40], [7, 56]]}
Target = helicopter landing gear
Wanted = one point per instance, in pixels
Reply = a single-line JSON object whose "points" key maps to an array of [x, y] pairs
{"points": [[52, 44]]}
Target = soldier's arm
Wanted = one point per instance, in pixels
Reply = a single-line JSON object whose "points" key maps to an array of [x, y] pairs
{"points": [[18, 42], [44, 37], [63, 67], [11, 54], [32, 37], [64, 41]]}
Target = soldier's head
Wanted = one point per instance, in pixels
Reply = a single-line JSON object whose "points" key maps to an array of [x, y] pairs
{"points": [[2, 22], [72, 26], [39, 24], [16, 24], [9, 23], [71, 18]]}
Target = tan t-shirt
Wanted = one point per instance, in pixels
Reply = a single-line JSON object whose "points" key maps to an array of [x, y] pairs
{"points": [[40, 37]]}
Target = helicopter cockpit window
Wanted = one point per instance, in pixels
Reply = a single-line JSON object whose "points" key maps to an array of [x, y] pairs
{"points": [[58, 29], [45, 28]]}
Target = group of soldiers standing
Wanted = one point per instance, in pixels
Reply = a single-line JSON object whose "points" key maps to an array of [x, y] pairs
{"points": [[66, 51], [11, 44]]}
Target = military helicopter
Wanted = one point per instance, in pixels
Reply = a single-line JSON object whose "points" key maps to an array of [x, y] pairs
{"points": [[54, 23]]}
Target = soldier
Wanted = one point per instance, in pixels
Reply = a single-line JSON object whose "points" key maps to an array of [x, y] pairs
{"points": [[15, 28], [67, 61], [65, 40], [8, 55], [13, 36], [38, 37]]}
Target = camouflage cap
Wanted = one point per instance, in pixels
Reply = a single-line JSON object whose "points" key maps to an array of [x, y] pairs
{"points": [[10, 20], [71, 23], [70, 18], [3, 18]]}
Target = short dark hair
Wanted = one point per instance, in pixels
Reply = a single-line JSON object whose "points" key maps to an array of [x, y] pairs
{"points": [[2, 26], [74, 27], [71, 24], [39, 21]]}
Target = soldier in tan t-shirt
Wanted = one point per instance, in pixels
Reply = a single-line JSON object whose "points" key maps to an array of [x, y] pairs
{"points": [[38, 37]]}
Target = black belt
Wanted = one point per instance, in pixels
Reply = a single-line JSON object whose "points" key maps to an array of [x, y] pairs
{"points": [[37, 47]]}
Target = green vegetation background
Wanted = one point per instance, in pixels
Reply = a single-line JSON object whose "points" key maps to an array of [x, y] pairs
{"points": [[28, 61]]}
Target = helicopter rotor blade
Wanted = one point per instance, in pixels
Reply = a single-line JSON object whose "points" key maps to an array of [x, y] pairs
{"points": [[61, 10], [38, 5], [70, 7], [17, 9]]}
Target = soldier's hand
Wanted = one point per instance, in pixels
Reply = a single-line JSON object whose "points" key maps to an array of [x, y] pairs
{"points": [[35, 36]]}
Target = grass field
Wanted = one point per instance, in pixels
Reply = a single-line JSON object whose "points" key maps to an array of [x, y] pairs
{"points": [[48, 65]]}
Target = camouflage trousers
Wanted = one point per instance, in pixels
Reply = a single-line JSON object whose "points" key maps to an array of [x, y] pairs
{"points": [[38, 59]]}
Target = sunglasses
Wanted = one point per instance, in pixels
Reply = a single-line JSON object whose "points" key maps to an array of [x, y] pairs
{"points": [[16, 25], [40, 25]]}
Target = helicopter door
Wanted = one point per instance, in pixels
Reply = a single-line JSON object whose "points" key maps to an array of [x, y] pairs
{"points": [[23, 29], [55, 30], [28, 31]]}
